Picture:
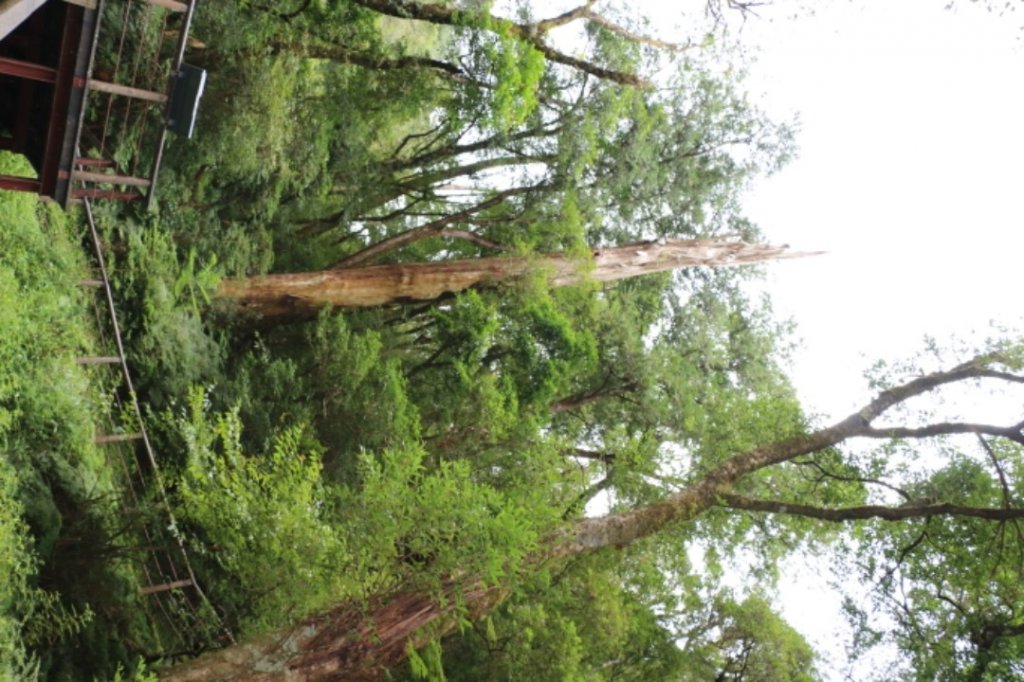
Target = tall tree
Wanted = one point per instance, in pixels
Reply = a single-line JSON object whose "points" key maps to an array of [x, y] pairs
{"points": [[349, 643]]}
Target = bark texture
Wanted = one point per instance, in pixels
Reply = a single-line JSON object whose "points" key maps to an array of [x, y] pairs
{"points": [[347, 643], [306, 293]]}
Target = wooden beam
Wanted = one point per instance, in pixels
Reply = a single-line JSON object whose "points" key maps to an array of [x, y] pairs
{"points": [[128, 180], [153, 589], [87, 161], [21, 69], [57, 126], [99, 360], [19, 184], [87, 4], [172, 5], [97, 193], [117, 89], [116, 438]]}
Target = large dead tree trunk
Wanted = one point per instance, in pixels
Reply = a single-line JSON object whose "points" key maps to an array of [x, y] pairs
{"points": [[306, 293], [348, 643]]}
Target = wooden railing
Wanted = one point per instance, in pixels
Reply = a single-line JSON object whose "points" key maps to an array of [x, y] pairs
{"points": [[169, 582]]}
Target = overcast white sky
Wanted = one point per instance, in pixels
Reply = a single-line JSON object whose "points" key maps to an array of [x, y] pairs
{"points": [[909, 175]]}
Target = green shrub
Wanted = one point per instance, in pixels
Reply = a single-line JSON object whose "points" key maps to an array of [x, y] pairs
{"points": [[261, 521]]}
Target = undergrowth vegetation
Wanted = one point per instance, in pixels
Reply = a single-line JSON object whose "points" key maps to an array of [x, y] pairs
{"points": [[59, 494]]}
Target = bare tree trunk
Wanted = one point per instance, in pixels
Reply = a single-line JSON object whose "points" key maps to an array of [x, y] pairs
{"points": [[306, 293]]}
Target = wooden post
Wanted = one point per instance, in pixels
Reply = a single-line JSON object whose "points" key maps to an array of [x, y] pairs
{"points": [[177, 584], [137, 93], [95, 193], [172, 5], [87, 161], [99, 360], [116, 438], [90, 176]]}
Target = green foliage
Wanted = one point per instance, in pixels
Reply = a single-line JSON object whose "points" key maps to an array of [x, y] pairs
{"points": [[137, 674], [437, 523], [325, 373], [277, 542], [390, 448], [48, 413], [592, 620], [262, 520], [18, 565], [426, 663], [159, 295], [951, 587], [518, 69], [747, 640]]}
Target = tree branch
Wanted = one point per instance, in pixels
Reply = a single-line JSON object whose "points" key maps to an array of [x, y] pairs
{"points": [[861, 513], [597, 456], [431, 229], [586, 496], [975, 368], [852, 479], [468, 236], [528, 33], [604, 23], [1012, 433], [999, 470]]}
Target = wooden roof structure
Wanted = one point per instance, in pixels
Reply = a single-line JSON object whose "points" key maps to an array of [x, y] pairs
{"points": [[47, 57]]}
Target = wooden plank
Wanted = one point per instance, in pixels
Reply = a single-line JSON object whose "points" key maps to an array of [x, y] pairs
{"points": [[117, 89], [172, 5], [94, 283], [175, 585], [19, 184], [95, 193], [88, 161], [116, 438], [99, 360], [89, 176], [87, 4], [29, 70]]}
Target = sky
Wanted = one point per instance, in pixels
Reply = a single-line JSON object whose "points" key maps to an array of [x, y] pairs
{"points": [[909, 177]]}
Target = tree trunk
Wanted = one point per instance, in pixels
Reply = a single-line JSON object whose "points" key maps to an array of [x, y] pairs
{"points": [[347, 643], [306, 293]]}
